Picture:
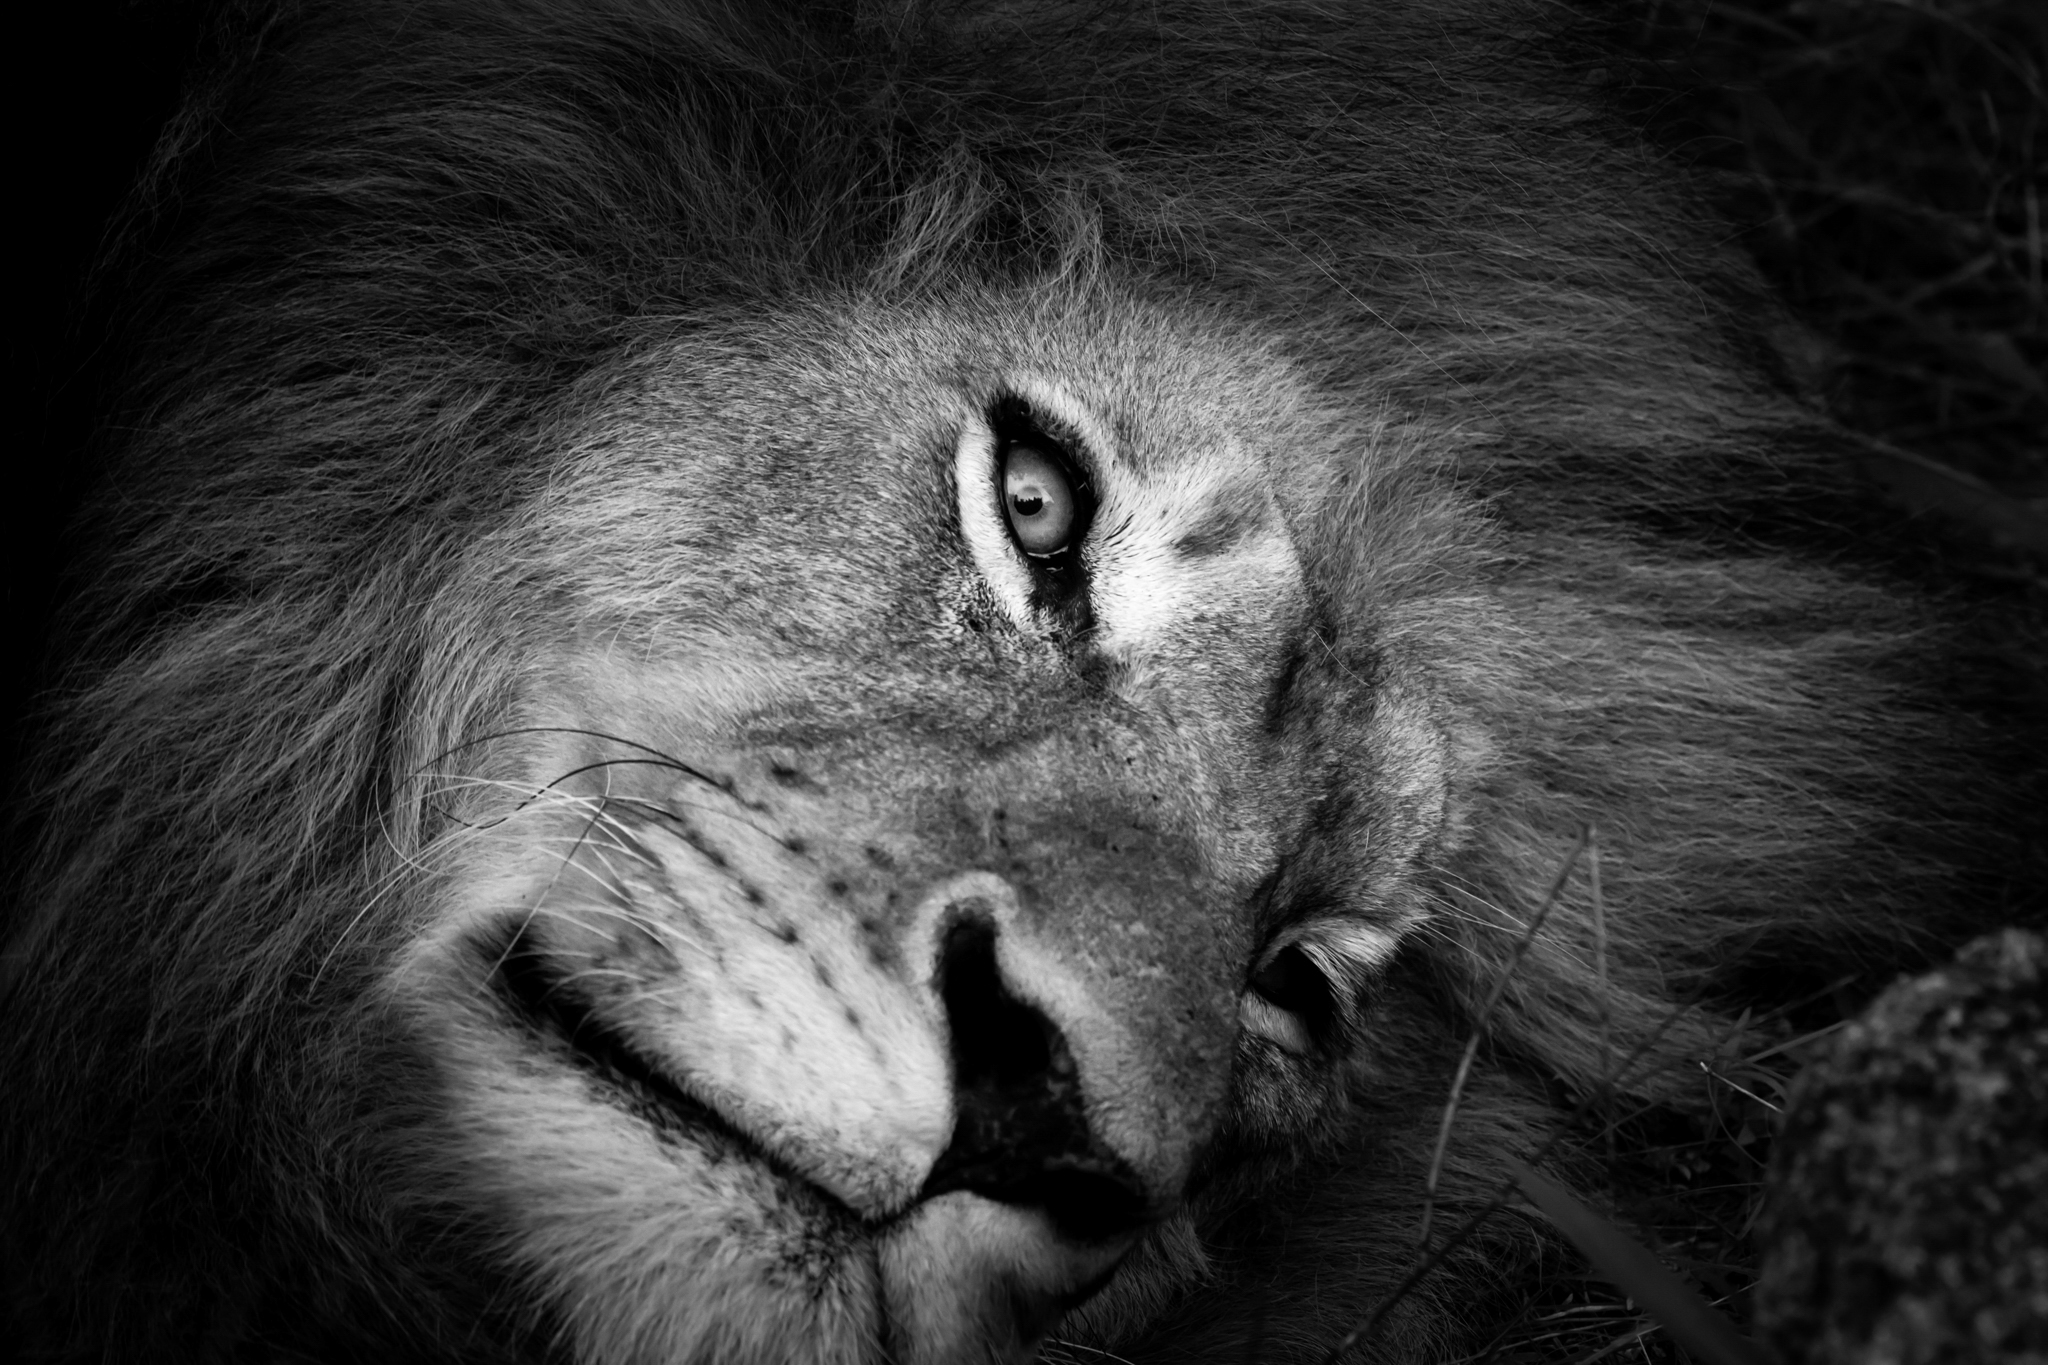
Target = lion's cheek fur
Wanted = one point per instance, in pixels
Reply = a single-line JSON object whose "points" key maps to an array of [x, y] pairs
{"points": [[732, 971]]}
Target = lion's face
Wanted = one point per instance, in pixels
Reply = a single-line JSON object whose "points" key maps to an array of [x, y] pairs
{"points": [[860, 926]]}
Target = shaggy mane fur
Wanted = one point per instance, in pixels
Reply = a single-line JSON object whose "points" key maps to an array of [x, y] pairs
{"points": [[390, 257]]}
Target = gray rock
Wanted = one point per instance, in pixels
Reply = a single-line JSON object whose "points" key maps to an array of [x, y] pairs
{"points": [[1906, 1210]]}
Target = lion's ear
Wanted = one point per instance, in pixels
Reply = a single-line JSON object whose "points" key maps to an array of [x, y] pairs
{"points": [[1311, 987]]}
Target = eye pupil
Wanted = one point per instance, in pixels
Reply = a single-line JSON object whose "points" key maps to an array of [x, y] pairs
{"points": [[1039, 498]]}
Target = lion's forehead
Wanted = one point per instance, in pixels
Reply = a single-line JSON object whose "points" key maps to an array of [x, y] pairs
{"points": [[802, 413]]}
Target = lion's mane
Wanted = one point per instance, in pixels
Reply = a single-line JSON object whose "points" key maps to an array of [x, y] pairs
{"points": [[389, 257]]}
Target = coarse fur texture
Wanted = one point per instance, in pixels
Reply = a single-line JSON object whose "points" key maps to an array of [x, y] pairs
{"points": [[571, 828]]}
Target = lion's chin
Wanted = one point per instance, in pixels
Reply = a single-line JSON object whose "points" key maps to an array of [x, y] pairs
{"points": [[669, 1241], [966, 1278]]}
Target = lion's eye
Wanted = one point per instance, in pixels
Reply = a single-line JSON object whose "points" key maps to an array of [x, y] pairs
{"points": [[1039, 500]]}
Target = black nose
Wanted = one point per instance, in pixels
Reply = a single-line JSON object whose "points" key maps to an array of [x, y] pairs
{"points": [[1022, 1135]]}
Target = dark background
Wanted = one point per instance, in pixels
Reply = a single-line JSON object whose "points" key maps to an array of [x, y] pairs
{"points": [[93, 82]]}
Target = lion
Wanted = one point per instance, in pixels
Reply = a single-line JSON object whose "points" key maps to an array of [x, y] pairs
{"points": [[858, 682]]}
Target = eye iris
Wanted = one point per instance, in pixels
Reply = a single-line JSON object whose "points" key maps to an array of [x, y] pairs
{"points": [[1038, 499]]}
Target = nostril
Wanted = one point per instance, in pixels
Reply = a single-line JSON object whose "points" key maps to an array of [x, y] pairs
{"points": [[1021, 1135], [998, 1041]]}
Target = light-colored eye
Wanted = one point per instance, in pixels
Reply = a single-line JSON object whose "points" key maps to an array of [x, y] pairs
{"points": [[1038, 499]]}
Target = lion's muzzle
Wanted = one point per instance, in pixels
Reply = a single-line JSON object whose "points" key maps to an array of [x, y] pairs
{"points": [[962, 1105]]}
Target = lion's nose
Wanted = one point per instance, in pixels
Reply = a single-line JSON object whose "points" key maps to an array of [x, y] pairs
{"points": [[1028, 1209], [1087, 1065], [1021, 1134]]}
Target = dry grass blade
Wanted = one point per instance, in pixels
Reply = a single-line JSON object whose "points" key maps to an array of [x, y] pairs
{"points": [[1690, 1320], [1464, 1071], [1620, 1343], [1364, 1331]]}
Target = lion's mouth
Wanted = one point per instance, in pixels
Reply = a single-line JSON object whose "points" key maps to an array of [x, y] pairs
{"points": [[549, 1007], [1023, 1213], [1020, 1138]]}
